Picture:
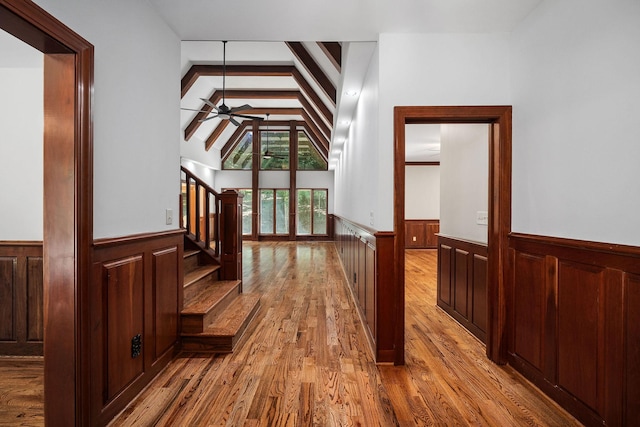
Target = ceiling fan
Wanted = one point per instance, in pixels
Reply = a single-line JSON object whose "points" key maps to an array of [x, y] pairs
{"points": [[223, 111]]}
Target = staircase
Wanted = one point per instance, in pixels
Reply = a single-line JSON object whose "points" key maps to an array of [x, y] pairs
{"points": [[215, 312]]}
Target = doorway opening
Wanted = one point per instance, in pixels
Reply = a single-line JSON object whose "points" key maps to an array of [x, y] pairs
{"points": [[499, 212], [67, 203]]}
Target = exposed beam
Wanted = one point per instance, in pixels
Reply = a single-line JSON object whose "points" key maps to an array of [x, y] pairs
{"points": [[197, 71], [333, 50], [195, 123], [314, 69], [215, 134]]}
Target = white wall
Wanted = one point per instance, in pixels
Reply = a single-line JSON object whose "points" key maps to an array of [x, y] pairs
{"points": [[21, 130], [434, 69], [357, 172], [576, 127], [136, 112], [202, 171], [464, 180], [422, 192]]}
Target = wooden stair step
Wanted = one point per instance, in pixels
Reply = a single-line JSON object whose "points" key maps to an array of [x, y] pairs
{"points": [[191, 259], [224, 333], [199, 273], [203, 307]]}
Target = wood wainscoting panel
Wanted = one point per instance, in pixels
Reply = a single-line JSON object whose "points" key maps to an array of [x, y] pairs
{"points": [[579, 293], [8, 298], [575, 331], [368, 262], [462, 283], [421, 233], [528, 308], [136, 290], [165, 271], [21, 299], [631, 374], [124, 321]]}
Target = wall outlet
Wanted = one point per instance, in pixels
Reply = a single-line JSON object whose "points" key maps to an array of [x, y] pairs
{"points": [[169, 216], [371, 218], [415, 238], [482, 218]]}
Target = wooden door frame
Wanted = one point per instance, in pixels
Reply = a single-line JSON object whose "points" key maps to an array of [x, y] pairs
{"points": [[68, 205], [499, 118]]}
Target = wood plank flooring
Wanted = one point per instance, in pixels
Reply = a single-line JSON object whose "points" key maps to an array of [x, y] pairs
{"points": [[21, 391], [306, 361]]}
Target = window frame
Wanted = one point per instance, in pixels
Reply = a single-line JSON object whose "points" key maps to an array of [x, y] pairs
{"points": [[312, 207]]}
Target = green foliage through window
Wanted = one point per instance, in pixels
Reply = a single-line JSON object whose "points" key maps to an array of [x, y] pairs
{"points": [[242, 155], [311, 212], [309, 158]]}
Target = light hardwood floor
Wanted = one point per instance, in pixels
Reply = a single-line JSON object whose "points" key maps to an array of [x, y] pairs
{"points": [[305, 360]]}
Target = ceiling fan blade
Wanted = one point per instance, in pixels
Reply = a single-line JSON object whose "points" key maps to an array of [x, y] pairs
{"points": [[208, 118], [247, 117], [210, 104], [240, 108], [234, 121], [199, 111]]}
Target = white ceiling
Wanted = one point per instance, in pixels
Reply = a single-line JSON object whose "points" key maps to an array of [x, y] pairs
{"points": [[336, 20]]}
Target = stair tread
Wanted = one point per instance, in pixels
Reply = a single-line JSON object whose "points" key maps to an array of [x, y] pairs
{"points": [[199, 273], [233, 318], [208, 296]]}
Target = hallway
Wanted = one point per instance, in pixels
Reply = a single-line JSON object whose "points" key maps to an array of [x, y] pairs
{"points": [[307, 361]]}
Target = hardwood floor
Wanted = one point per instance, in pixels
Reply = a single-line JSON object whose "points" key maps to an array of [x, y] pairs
{"points": [[21, 391], [306, 360]]}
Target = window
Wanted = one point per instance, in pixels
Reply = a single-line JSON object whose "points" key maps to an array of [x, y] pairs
{"points": [[275, 150], [274, 211], [311, 212], [241, 157], [309, 158], [247, 211]]}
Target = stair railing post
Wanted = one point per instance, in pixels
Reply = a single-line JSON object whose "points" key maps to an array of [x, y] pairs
{"points": [[231, 235]]}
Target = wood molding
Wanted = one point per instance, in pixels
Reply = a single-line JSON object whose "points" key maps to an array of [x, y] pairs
{"points": [[135, 238], [499, 117], [68, 201]]}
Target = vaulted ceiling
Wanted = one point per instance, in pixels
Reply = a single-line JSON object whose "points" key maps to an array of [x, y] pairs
{"points": [[296, 83]]}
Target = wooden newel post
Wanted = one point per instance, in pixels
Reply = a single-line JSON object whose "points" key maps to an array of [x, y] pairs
{"points": [[231, 235]]}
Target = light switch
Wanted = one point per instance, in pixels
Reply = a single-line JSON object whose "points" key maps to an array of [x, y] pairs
{"points": [[169, 216], [482, 218]]}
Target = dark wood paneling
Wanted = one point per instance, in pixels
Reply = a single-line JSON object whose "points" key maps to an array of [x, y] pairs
{"points": [[35, 299], [21, 299], [368, 262], [136, 290], [528, 308], [7, 296], [462, 283], [576, 333], [165, 272], [424, 231], [124, 320], [578, 321], [445, 276], [631, 344]]}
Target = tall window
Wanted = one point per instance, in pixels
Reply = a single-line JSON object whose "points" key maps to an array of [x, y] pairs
{"points": [[247, 211], [274, 211], [275, 150], [311, 212], [309, 158], [241, 157]]}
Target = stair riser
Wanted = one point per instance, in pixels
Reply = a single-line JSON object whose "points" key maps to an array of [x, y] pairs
{"points": [[195, 324], [191, 263], [191, 290]]}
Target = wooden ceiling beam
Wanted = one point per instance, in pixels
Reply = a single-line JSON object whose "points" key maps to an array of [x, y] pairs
{"points": [[316, 72], [215, 134], [197, 71], [333, 50]]}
